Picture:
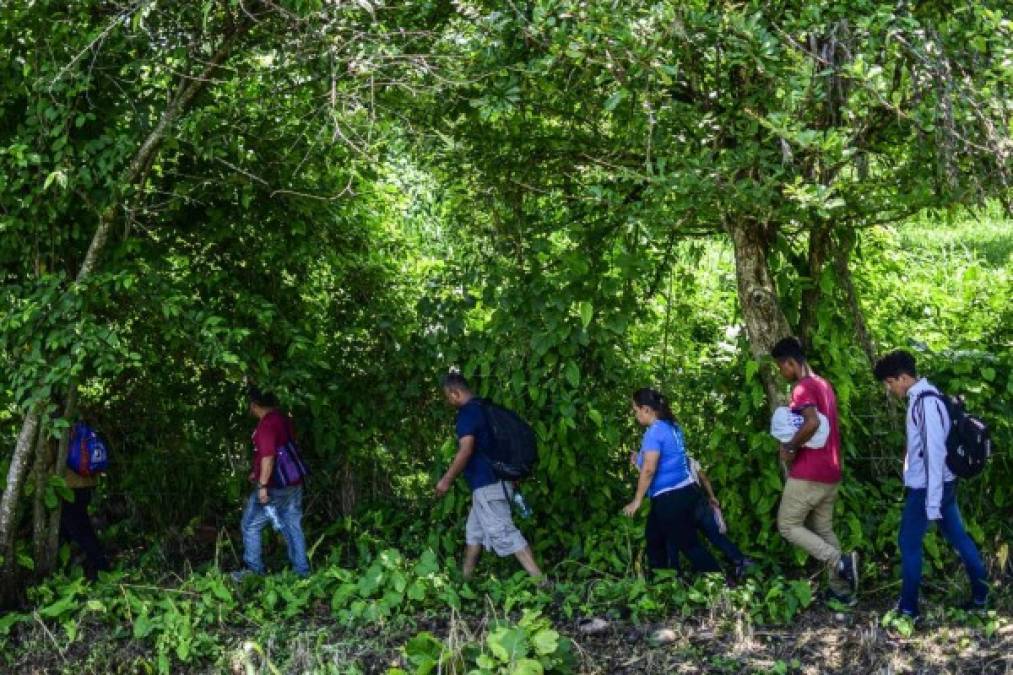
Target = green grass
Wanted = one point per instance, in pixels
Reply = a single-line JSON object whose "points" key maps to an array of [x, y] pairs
{"points": [[986, 235]]}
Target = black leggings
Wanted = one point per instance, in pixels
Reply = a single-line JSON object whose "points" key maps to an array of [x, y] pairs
{"points": [[672, 520], [75, 526], [708, 526]]}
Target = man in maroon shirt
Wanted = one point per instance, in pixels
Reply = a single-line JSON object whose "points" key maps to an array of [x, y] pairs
{"points": [[271, 502], [805, 517]]}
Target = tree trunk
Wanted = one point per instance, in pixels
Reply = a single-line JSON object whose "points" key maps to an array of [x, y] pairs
{"points": [[41, 472], [349, 498], [820, 246], [190, 88], [842, 267], [765, 321], [52, 538], [9, 502]]}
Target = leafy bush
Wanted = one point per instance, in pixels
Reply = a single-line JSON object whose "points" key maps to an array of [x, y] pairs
{"points": [[528, 647], [189, 622]]}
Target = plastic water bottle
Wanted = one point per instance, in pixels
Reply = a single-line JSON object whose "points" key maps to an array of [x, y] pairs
{"points": [[272, 515], [522, 506]]}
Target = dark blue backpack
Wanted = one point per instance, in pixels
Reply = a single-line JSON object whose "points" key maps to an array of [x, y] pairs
{"points": [[514, 450], [968, 445], [87, 454]]}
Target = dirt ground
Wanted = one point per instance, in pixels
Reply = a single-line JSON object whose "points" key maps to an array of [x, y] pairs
{"points": [[820, 641]]}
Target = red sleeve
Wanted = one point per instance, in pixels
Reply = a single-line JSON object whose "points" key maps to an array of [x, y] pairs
{"points": [[270, 436], [803, 395]]}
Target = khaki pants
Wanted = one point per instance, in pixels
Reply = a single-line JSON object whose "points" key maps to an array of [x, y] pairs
{"points": [[805, 518]]}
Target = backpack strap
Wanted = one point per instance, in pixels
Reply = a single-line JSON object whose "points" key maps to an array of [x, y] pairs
{"points": [[483, 405], [507, 496], [920, 398]]}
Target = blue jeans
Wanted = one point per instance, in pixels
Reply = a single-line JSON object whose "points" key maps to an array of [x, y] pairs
{"points": [[913, 526], [287, 505]]}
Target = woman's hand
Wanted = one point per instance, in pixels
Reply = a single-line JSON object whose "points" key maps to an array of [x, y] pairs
{"points": [[631, 508]]}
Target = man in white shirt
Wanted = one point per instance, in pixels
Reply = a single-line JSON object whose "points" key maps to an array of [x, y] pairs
{"points": [[930, 486]]}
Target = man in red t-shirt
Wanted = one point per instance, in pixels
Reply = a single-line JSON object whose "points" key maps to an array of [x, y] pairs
{"points": [[271, 502], [805, 517]]}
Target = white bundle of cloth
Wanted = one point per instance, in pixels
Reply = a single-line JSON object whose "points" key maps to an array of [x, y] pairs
{"points": [[784, 424]]}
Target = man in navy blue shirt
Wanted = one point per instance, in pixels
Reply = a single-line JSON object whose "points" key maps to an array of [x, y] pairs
{"points": [[490, 524]]}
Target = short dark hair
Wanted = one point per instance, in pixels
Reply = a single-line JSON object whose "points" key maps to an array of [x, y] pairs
{"points": [[895, 364], [454, 380], [788, 348], [264, 399]]}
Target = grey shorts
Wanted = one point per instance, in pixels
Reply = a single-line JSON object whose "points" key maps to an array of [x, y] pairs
{"points": [[490, 522]]}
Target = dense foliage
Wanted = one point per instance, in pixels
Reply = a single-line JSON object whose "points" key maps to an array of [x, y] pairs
{"points": [[566, 201]]}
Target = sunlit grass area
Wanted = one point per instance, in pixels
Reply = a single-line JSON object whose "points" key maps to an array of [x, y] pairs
{"points": [[988, 235]]}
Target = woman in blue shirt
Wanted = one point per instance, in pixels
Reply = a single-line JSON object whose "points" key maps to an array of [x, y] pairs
{"points": [[665, 477]]}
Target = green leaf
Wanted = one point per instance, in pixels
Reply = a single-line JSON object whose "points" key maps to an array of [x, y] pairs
{"points": [[507, 644], [59, 177], [527, 667], [59, 608], [221, 592], [417, 591], [25, 560], [70, 628], [545, 641], [370, 581], [424, 651], [572, 374], [803, 591], [143, 626], [615, 99], [8, 621], [427, 564], [586, 313], [752, 367]]}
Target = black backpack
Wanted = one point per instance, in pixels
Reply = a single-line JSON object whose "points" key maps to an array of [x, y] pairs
{"points": [[968, 445], [514, 450]]}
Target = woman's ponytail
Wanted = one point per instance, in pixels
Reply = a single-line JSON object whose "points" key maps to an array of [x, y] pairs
{"points": [[656, 401]]}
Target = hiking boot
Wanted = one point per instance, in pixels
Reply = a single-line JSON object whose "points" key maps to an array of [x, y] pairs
{"points": [[847, 569]]}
